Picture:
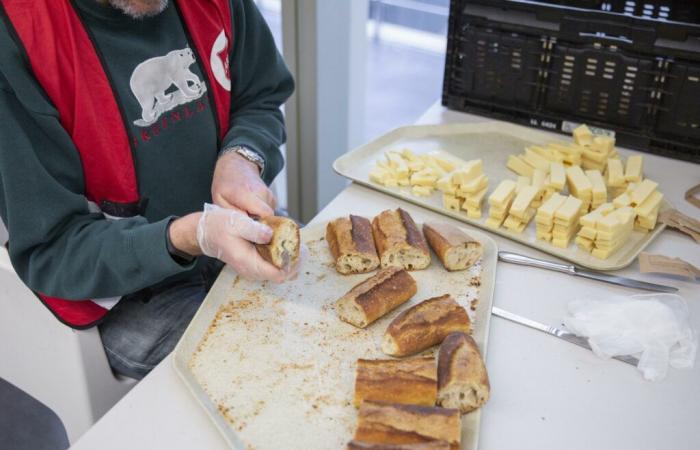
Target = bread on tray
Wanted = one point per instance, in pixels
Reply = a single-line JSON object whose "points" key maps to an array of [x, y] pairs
{"points": [[463, 382], [432, 445], [387, 423], [399, 242], [424, 325], [352, 244], [456, 249], [410, 381], [376, 296], [283, 249]]}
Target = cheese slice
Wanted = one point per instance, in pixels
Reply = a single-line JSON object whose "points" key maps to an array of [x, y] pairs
{"points": [[643, 191], [633, 171]]}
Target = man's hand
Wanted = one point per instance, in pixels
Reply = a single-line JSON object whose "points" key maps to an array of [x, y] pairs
{"points": [[230, 235], [237, 185]]}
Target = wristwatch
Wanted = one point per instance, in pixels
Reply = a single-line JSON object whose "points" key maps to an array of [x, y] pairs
{"points": [[247, 153], [180, 257]]}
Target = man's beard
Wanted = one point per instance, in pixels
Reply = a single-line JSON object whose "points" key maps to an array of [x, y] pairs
{"points": [[139, 9]]}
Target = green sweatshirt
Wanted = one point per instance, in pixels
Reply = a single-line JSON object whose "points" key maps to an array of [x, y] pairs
{"points": [[57, 246]]}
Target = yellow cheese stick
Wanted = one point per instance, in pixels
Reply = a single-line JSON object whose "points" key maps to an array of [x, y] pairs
{"points": [[503, 193], [595, 157], [473, 186], [643, 191], [538, 178], [468, 172], [421, 191], [651, 204], [569, 210], [423, 178], [521, 183], [445, 184], [616, 175], [557, 176], [474, 213], [579, 185], [582, 135], [547, 210], [475, 199], [451, 202], [522, 201], [519, 166], [535, 160], [587, 232], [600, 192], [604, 143], [633, 171]]}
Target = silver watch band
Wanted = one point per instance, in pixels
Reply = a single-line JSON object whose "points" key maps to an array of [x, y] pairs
{"points": [[248, 153]]}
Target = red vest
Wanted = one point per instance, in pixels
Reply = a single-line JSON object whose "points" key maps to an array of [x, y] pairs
{"points": [[63, 58]]}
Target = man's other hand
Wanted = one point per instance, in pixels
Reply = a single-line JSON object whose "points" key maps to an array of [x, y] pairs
{"points": [[237, 185]]}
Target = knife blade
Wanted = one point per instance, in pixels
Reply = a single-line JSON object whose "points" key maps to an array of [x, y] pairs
{"points": [[556, 332], [570, 269]]}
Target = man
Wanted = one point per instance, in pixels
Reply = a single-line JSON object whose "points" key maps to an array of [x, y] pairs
{"points": [[141, 111]]}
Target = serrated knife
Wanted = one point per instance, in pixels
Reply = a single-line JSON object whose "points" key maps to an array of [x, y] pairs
{"points": [[570, 269], [561, 334]]}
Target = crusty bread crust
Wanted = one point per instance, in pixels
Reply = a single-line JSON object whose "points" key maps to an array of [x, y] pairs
{"points": [[283, 249], [455, 248], [408, 381], [352, 245], [376, 296], [399, 242], [386, 423], [432, 445], [424, 325], [463, 382]]}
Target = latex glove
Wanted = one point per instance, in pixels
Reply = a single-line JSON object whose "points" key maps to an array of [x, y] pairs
{"points": [[237, 184], [229, 235]]}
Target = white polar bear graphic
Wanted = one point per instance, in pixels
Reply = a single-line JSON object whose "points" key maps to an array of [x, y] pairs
{"points": [[153, 77]]}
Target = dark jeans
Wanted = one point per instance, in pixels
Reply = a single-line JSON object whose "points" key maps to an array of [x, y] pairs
{"points": [[144, 327]]}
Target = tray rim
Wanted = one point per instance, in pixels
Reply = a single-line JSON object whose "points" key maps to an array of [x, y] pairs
{"points": [[180, 359], [458, 128]]}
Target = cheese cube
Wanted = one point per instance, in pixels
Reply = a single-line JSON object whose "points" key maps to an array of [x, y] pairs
{"points": [[582, 135], [616, 176], [519, 166], [421, 191], [503, 194], [474, 200], [557, 176], [633, 171], [474, 213], [643, 191], [535, 160], [604, 144]]}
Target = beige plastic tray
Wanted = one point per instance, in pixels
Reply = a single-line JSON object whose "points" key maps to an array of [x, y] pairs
{"points": [[279, 371], [492, 142]]}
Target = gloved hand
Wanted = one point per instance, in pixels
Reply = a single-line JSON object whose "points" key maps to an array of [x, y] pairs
{"points": [[229, 235]]}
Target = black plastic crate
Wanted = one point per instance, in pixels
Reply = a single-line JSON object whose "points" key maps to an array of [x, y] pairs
{"points": [[553, 67], [670, 10]]}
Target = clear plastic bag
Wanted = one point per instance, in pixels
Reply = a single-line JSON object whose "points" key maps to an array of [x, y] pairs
{"points": [[654, 326]]}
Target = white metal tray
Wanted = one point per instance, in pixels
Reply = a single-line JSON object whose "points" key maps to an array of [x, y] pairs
{"points": [[278, 371], [492, 142]]}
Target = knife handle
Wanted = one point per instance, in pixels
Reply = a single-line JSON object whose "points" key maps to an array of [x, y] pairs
{"points": [[523, 260]]}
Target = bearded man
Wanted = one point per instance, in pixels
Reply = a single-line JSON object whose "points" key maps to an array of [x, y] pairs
{"points": [[137, 140]]}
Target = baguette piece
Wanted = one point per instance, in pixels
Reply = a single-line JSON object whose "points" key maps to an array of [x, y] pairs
{"points": [[387, 423], [399, 242], [462, 379], [426, 324], [456, 249], [431, 445], [376, 296], [352, 244], [283, 249], [407, 381]]}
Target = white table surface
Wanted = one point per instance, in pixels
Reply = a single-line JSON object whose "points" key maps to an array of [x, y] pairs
{"points": [[546, 393]]}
